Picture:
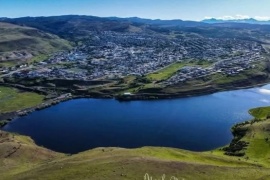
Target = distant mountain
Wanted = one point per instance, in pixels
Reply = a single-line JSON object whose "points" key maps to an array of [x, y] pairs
{"points": [[77, 27], [164, 23], [72, 27], [246, 21]]}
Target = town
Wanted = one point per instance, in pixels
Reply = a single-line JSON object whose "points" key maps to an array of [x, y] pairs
{"points": [[229, 67], [112, 55]]}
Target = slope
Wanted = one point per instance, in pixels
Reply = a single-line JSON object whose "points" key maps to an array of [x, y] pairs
{"points": [[20, 43]]}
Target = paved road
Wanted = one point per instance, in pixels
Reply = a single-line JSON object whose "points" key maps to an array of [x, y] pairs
{"points": [[12, 72]]}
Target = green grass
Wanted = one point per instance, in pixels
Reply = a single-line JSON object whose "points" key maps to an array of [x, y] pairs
{"points": [[260, 113], [170, 70], [249, 73], [12, 100], [258, 137], [39, 58], [166, 72], [117, 163], [223, 79], [8, 63], [220, 81]]}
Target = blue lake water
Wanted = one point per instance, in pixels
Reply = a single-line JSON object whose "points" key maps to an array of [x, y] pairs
{"points": [[195, 123]]}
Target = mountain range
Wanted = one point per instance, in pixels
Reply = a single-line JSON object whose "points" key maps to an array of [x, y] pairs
{"points": [[78, 26], [246, 21]]}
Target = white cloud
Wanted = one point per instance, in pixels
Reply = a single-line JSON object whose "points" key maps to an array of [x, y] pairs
{"points": [[264, 91], [262, 18], [240, 17], [226, 18]]}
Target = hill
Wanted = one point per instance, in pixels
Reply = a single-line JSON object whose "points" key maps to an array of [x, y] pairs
{"points": [[19, 44], [73, 27], [21, 159], [77, 27]]}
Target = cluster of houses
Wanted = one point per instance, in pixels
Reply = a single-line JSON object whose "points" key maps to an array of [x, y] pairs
{"points": [[109, 55], [230, 67]]}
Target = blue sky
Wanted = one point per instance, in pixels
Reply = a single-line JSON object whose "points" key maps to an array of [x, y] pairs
{"points": [[154, 9]]}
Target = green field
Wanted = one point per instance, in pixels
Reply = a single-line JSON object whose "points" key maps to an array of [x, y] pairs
{"points": [[260, 113], [12, 100], [166, 72], [39, 58], [170, 70], [258, 136]]}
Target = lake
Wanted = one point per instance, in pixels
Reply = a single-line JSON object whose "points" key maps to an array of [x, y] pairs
{"points": [[196, 123]]}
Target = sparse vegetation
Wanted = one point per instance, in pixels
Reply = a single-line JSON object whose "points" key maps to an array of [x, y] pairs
{"points": [[20, 44]]}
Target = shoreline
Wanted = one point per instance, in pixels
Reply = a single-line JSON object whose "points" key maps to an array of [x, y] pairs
{"points": [[212, 90], [5, 118], [233, 148]]}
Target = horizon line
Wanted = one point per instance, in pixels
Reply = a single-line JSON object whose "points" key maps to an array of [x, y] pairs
{"points": [[257, 18]]}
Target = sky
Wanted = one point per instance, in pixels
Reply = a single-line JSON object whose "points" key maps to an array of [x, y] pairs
{"points": [[153, 9]]}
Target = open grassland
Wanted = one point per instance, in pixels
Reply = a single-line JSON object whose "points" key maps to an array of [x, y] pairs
{"points": [[256, 134], [260, 113], [20, 158], [39, 58], [258, 137], [166, 72], [170, 70], [115, 163], [12, 100]]}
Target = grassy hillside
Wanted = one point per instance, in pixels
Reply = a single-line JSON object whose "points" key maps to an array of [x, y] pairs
{"points": [[12, 99], [74, 27], [20, 43], [20, 158], [19, 154], [260, 113]]}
